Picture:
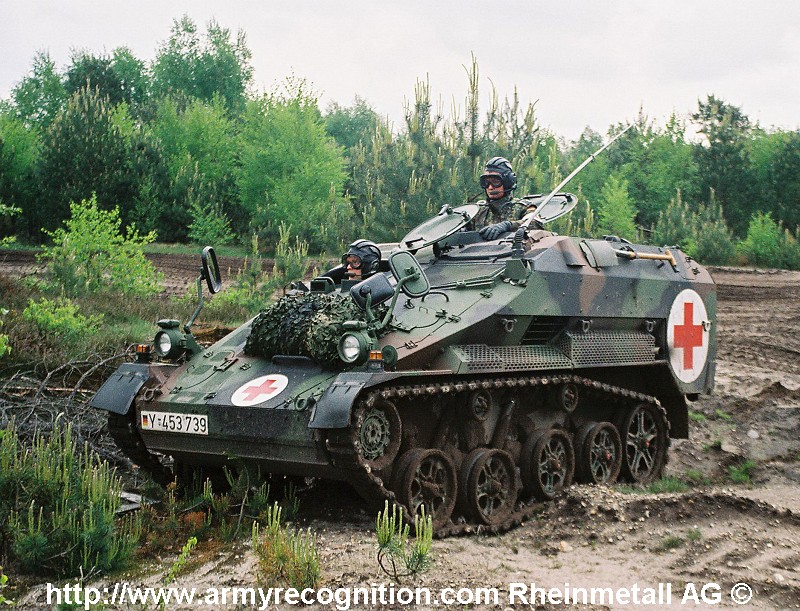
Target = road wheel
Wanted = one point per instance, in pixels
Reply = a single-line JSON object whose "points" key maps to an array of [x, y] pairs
{"points": [[547, 463], [645, 438], [488, 482], [599, 453], [427, 478]]}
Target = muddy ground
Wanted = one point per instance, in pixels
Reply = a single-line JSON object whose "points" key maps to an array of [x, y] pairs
{"points": [[718, 531]]}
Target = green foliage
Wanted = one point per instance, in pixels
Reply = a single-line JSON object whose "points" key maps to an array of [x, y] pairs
{"points": [[702, 233], [3, 586], [180, 561], [768, 244], [724, 163], [292, 172], [8, 211], [193, 67], [5, 348], [61, 318], [19, 153], [393, 547], [40, 95], [90, 254], [671, 542], [742, 473], [209, 225], [199, 149], [57, 504], [616, 210], [286, 557], [85, 152]]}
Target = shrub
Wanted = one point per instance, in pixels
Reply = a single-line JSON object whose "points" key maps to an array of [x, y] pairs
{"points": [[90, 254], [392, 537], [57, 505], [768, 244], [617, 211], [62, 318], [210, 225], [285, 556]]}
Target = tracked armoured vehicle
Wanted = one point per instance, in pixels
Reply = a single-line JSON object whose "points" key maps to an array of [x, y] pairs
{"points": [[472, 377]]}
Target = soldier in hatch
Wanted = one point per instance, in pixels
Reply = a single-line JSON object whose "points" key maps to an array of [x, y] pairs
{"points": [[362, 259], [500, 212]]}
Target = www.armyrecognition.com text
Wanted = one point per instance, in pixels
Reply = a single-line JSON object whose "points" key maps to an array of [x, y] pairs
{"points": [[345, 598]]}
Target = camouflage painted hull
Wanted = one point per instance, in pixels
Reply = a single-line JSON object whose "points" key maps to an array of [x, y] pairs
{"points": [[525, 368]]}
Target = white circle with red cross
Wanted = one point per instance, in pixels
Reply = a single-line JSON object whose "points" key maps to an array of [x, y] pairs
{"points": [[259, 390], [687, 335]]}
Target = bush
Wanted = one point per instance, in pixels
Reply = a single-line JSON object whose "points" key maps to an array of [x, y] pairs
{"points": [[767, 244], [57, 505], [286, 557], [61, 318], [703, 233], [90, 254], [210, 225]]}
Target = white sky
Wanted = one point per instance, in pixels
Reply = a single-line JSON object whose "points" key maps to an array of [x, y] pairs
{"points": [[584, 62]]}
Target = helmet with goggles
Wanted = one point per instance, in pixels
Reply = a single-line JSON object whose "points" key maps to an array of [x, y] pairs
{"points": [[368, 253], [499, 167]]}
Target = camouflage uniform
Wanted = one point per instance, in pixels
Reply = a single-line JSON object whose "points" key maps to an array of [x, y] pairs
{"points": [[505, 209]]}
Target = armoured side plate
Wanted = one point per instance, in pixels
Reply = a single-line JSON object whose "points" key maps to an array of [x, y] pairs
{"points": [[117, 392]]}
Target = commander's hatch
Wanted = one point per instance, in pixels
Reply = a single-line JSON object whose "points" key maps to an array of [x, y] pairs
{"points": [[446, 223], [556, 207]]}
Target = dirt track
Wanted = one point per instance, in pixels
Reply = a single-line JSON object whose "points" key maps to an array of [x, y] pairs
{"points": [[611, 538]]}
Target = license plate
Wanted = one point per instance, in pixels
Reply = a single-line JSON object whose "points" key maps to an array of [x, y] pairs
{"points": [[194, 424]]}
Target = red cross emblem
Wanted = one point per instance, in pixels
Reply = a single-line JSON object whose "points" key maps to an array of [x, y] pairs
{"points": [[688, 335], [259, 390]]}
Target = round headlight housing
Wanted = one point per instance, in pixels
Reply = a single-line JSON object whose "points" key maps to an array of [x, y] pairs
{"points": [[354, 348], [167, 343]]}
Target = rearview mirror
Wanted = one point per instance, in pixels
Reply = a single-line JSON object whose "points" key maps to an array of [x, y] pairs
{"points": [[406, 269], [211, 270]]}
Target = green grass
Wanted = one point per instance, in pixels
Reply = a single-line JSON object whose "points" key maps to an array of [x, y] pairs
{"points": [[722, 415], [671, 542], [742, 473], [696, 478], [694, 535], [697, 416]]}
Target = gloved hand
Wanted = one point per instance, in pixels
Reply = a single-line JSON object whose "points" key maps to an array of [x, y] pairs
{"points": [[492, 232]]}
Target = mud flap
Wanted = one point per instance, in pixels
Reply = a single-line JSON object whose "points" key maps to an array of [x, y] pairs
{"points": [[335, 406], [117, 392]]}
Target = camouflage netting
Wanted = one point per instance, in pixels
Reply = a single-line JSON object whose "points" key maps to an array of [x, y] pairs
{"points": [[304, 325]]}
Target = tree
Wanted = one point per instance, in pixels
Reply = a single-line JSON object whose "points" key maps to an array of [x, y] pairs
{"points": [[19, 152], [723, 159], [91, 254], [84, 151], [40, 96], [194, 68], [119, 78], [200, 151], [292, 172], [616, 210]]}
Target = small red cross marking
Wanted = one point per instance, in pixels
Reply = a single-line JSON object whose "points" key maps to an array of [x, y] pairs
{"points": [[265, 388], [688, 335]]}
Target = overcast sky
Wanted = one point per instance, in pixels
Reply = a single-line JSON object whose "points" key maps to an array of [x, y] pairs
{"points": [[584, 63]]}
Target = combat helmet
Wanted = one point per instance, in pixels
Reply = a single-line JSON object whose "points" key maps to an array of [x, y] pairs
{"points": [[500, 166], [368, 252]]}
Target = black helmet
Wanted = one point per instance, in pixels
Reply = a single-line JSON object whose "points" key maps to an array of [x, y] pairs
{"points": [[502, 167], [368, 252]]}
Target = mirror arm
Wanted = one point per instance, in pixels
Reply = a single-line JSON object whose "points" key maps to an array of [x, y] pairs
{"points": [[397, 290], [189, 324]]}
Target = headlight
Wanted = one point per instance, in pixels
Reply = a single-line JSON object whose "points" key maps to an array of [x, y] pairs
{"points": [[354, 348], [167, 343]]}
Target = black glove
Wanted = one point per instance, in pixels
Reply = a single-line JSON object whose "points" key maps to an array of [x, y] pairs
{"points": [[492, 232]]}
